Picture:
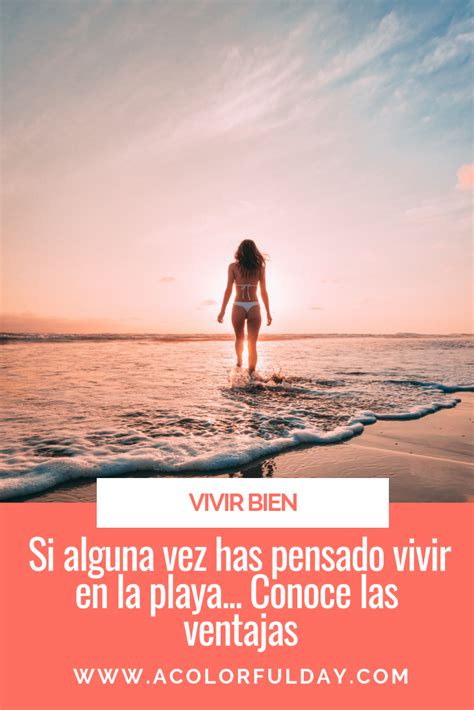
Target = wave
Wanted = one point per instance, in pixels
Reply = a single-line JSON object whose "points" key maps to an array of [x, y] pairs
{"points": [[8, 338], [244, 451], [416, 412], [447, 389], [46, 475], [11, 338]]}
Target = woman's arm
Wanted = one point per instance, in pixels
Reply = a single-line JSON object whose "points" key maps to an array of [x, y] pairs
{"points": [[227, 292], [264, 294]]}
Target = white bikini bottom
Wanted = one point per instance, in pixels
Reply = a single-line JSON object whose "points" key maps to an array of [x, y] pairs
{"points": [[246, 304]]}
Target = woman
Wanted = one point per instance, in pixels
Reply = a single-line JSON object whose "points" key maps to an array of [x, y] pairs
{"points": [[247, 272]]}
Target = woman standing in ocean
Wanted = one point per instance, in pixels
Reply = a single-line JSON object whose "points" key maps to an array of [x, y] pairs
{"points": [[247, 272]]}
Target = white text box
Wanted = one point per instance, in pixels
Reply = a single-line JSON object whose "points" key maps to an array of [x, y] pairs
{"points": [[242, 503]]}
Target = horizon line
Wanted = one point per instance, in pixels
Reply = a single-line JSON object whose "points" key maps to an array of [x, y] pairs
{"points": [[202, 334]]}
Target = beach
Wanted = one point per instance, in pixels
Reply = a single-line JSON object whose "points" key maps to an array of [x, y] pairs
{"points": [[427, 460], [78, 410]]}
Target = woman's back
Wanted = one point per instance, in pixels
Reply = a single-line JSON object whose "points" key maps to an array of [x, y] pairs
{"points": [[246, 283]]}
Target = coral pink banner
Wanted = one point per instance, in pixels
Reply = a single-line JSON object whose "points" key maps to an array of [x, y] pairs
{"points": [[414, 651]]}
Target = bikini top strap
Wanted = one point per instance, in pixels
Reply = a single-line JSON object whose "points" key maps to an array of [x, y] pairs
{"points": [[245, 289]]}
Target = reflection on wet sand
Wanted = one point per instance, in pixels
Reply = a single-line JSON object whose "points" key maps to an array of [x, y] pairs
{"points": [[263, 469]]}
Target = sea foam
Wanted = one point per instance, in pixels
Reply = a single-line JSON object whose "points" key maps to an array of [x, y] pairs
{"points": [[109, 407]]}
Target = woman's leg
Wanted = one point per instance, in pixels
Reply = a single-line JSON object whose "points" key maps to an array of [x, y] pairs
{"points": [[254, 321], [238, 321]]}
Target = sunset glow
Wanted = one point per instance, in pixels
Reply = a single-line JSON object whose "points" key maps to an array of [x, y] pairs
{"points": [[144, 140]]}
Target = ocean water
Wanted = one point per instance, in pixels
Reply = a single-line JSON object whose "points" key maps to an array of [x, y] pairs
{"points": [[77, 406]]}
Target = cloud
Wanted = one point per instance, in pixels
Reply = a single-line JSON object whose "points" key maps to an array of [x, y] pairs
{"points": [[466, 177], [451, 211], [208, 302], [387, 33], [167, 279], [316, 308], [259, 92], [262, 85], [453, 47]]}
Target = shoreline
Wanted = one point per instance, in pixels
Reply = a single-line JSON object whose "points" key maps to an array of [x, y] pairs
{"points": [[430, 459]]}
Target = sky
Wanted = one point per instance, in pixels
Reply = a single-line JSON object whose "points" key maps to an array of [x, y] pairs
{"points": [[142, 140]]}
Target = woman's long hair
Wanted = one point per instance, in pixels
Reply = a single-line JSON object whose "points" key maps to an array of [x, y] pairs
{"points": [[249, 259]]}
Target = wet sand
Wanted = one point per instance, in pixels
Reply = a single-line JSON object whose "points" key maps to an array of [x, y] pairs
{"points": [[430, 459], [427, 460]]}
